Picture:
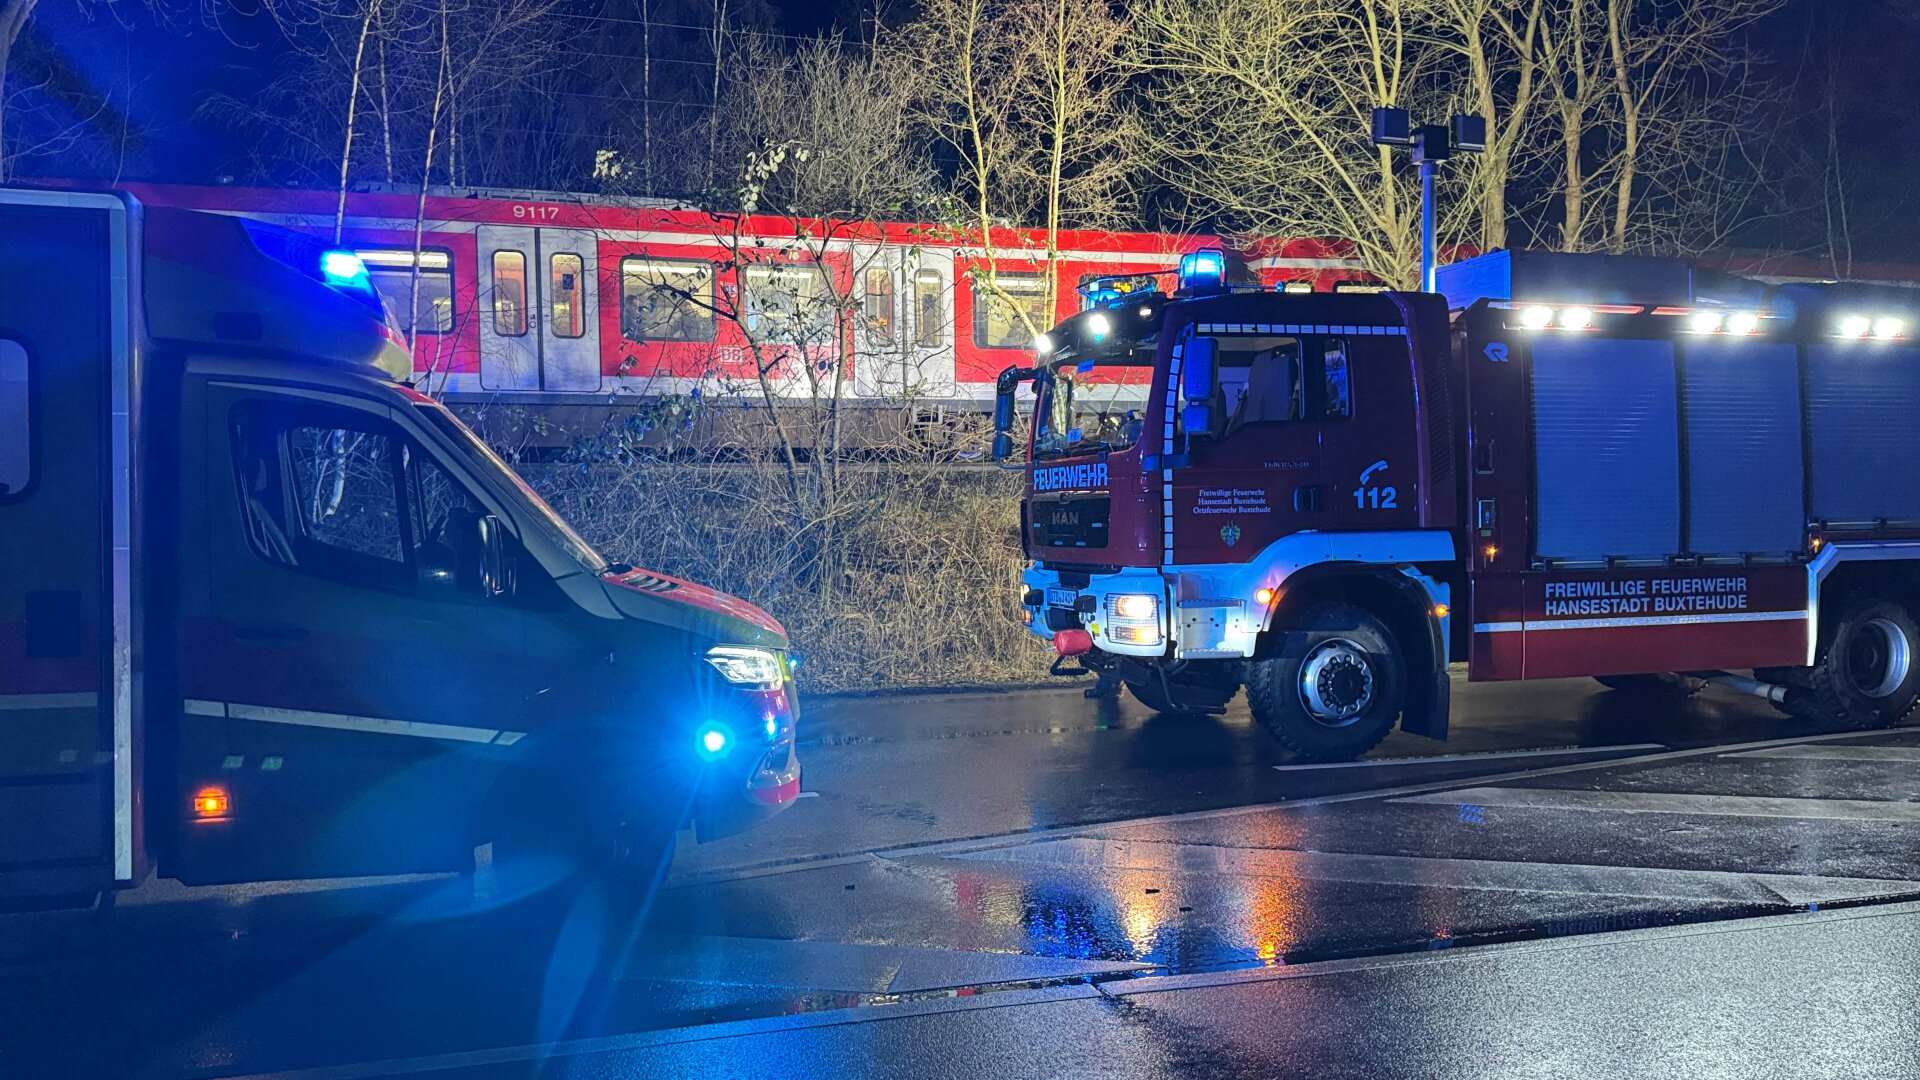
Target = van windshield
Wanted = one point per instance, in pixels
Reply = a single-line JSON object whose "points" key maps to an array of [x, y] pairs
{"points": [[541, 515]]}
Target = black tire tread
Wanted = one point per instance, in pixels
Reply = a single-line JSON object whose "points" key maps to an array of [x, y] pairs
{"points": [[1818, 700], [1263, 682]]}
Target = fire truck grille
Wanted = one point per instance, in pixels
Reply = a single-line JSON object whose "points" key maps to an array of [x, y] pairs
{"points": [[1071, 522]]}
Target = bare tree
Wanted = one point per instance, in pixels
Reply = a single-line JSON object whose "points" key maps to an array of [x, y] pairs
{"points": [[1031, 97]]}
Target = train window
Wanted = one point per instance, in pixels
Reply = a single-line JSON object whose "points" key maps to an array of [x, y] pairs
{"points": [[877, 306], [509, 293], [929, 309], [1009, 311], [565, 295], [666, 300], [430, 298], [789, 304], [16, 459]]}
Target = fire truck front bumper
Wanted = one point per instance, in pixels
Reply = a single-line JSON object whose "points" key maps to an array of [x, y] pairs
{"points": [[1126, 613]]}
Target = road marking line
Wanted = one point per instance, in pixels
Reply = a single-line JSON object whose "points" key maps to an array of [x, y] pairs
{"points": [[1492, 875], [1889, 754], [1663, 802], [1492, 755], [983, 843]]}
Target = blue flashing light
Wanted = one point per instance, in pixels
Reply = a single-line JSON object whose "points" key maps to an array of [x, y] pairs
{"points": [[1206, 268], [772, 724], [712, 741], [343, 268]]}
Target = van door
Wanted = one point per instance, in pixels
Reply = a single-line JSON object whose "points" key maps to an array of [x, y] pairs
{"points": [[509, 297], [66, 740], [346, 692], [570, 326]]}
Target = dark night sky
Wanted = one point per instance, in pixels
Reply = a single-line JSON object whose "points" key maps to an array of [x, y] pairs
{"points": [[155, 78]]}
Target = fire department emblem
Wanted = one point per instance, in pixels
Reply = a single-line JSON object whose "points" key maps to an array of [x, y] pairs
{"points": [[1230, 534]]}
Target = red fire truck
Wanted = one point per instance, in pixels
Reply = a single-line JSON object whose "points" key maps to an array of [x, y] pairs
{"points": [[267, 613], [1564, 465]]}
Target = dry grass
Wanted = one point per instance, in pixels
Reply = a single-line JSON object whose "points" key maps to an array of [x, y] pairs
{"points": [[906, 576]]}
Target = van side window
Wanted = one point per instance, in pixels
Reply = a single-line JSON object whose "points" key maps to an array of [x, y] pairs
{"points": [[16, 438], [344, 490], [320, 491], [444, 517]]}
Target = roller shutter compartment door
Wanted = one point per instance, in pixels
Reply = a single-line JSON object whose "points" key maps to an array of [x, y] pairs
{"points": [[1744, 470], [1864, 432], [1606, 449]]}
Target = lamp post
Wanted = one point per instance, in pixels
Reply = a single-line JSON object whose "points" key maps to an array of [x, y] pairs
{"points": [[1431, 144]]}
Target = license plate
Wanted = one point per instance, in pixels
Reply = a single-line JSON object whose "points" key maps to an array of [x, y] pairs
{"points": [[1062, 597]]}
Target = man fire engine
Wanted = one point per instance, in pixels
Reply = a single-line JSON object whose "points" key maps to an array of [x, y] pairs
{"points": [[1562, 465]]}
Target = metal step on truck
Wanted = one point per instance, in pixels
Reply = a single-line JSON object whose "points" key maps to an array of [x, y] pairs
{"points": [[267, 613], [1562, 465]]}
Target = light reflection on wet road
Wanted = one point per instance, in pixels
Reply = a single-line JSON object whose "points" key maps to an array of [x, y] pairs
{"points": [[973, 843]]}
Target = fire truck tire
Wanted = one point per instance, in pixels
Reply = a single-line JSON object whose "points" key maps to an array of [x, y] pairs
{"points": [[1867, 674], [1332, 689], [1671, 685]]}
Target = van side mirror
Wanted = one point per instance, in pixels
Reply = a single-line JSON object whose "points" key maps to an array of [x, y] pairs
{"points": [[493, 569], [1197, 363]]}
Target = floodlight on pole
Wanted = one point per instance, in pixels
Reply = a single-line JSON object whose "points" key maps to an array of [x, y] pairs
{"points": [[1431, 144]]}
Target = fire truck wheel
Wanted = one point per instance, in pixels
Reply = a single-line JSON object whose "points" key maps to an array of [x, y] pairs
{"points": [[1868, 671], [1671, 685], [1332, 689]]}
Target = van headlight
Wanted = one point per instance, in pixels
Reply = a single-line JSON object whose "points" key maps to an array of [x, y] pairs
{"points": [[744, 665]]}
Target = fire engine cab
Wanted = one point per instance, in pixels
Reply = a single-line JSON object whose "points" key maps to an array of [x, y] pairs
{"points": [[267, 613], [1561, 465]]}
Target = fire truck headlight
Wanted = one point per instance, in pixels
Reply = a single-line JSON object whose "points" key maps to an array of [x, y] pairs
{"points": [[1742, 322], [1889, 327], [1854, 325], [744, 665], [1134, 607], [1536, 318]]}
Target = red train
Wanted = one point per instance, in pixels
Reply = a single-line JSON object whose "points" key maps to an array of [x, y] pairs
{"points": [[566, 303]]}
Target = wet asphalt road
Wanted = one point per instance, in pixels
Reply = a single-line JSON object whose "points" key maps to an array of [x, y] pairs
{"points": [[1086, 865]]}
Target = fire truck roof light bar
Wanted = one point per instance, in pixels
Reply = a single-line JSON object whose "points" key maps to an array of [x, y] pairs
{"points": [[1203, 269]]}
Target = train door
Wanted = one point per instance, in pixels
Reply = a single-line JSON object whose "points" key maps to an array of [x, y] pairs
{"points": [[538, 313], [927, 331], [569, 327], [509, 349], [879, 336]]}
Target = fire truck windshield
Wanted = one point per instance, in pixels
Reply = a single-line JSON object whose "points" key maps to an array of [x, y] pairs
{"points": [[1097, 406]]}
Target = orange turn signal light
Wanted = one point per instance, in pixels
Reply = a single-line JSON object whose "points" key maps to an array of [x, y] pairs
{"points": [[1263, 597], [211, 802]]}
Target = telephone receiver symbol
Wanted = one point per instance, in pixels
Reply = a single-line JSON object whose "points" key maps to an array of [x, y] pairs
{"points": [[1371, 469]]}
